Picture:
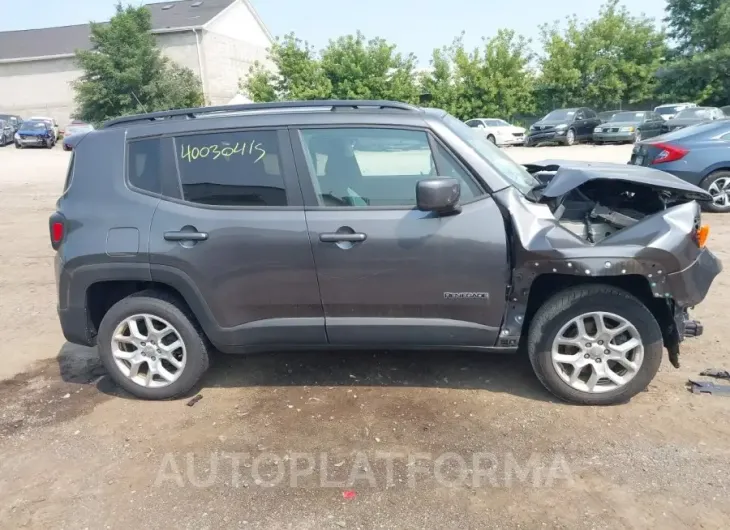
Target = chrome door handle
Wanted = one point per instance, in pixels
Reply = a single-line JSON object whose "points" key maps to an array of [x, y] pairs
{"points": [[186, 236], [336, 237]]}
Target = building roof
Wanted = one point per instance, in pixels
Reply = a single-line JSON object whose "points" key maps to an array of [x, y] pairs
{"points": [[65, 40]]}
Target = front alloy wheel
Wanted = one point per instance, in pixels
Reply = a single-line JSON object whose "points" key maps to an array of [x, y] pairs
{"points": [[594, 344], [570, 137], [597, 352]]}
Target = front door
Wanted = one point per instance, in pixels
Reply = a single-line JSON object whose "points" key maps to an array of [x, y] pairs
{"points": [[231, 236], [388, 273]]}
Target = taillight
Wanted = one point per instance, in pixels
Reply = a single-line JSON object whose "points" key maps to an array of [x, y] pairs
{"points": [[669, 153], [57, 225]]}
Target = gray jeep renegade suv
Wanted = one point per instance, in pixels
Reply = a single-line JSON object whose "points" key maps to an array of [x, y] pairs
{"points": [[368, 224]]}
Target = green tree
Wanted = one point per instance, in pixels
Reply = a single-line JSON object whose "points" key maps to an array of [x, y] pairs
{"points": [[125, 73], [491, 80], [359, 68], [699, 69], [350, 67], [699, 25], [296, 74], [603, 62]]}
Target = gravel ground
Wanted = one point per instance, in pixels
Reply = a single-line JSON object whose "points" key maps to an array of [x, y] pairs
{"points": [[337, 441]]}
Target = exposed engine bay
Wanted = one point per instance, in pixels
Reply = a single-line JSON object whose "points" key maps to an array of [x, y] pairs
{"points": [[596, 208]]}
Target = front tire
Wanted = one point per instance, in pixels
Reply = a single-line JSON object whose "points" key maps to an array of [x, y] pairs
{"points": [[492, 139], [604, 363], [152, 346], [718, 185]]}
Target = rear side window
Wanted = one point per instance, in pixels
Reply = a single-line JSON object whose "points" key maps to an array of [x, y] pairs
{"points": [[144, 164], [236, 168]]}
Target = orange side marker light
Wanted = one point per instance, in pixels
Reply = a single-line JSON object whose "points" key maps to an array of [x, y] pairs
{"points": [[703, 233]]}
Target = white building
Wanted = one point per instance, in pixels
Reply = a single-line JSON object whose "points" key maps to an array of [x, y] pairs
{"points": [[217, 39]]}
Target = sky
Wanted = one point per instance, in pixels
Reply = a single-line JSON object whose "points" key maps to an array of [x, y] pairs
{"points": [[416, 26]]}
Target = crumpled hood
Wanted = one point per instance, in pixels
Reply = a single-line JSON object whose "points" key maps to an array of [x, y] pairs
{"points": [[571, 174]]}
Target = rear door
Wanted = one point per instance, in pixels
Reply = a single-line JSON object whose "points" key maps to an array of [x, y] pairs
{"points": [[230, 235], [389, 273]]}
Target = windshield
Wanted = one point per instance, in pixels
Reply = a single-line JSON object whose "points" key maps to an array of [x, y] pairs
{"points": [[628, 116], [508, 168], [559, 115], [694, 113], [712, 129], [75, 129], [33, 125], [667, 110]]}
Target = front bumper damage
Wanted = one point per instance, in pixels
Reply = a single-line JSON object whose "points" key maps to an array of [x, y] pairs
{"points": [[657, 249]]}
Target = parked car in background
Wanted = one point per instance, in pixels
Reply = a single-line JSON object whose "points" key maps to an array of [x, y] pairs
{"points": [[669, 110], [72, 131], [6, 133], [693, 116], [499, 131], [699, 154], [52, 122], [35, 133], [726, 110], [629, 126], [606, 115], [13, 119], [565, 126]]}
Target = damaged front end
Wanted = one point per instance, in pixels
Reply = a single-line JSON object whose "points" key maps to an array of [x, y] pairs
{"points": [[625, 224]]}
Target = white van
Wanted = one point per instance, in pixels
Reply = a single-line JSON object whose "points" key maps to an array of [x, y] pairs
{"points": [[670, 110]]}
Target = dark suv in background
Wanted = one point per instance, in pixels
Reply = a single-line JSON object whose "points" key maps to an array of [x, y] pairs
{"points": [[565, 126], [367, 224]]}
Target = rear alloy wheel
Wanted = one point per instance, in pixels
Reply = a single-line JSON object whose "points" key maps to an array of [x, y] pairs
{"points": [[570, 137], [152, 347], [718, 185]]}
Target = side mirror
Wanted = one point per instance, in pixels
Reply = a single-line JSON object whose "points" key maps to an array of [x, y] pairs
{"points": [[440, 195]]}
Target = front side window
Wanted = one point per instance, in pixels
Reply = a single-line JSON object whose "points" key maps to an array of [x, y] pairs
{"points": [[236, 168], [371, 167]]}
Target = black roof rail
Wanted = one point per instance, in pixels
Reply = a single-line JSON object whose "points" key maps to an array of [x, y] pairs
{"points": [[333, 104]]}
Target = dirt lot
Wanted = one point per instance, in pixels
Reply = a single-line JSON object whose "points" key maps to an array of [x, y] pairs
{"points": [[430, 441]]}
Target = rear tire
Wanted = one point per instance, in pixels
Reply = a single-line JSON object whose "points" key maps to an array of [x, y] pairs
{"points": [[570, 137], [160, 306], [560, 310], [717, 184]]}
